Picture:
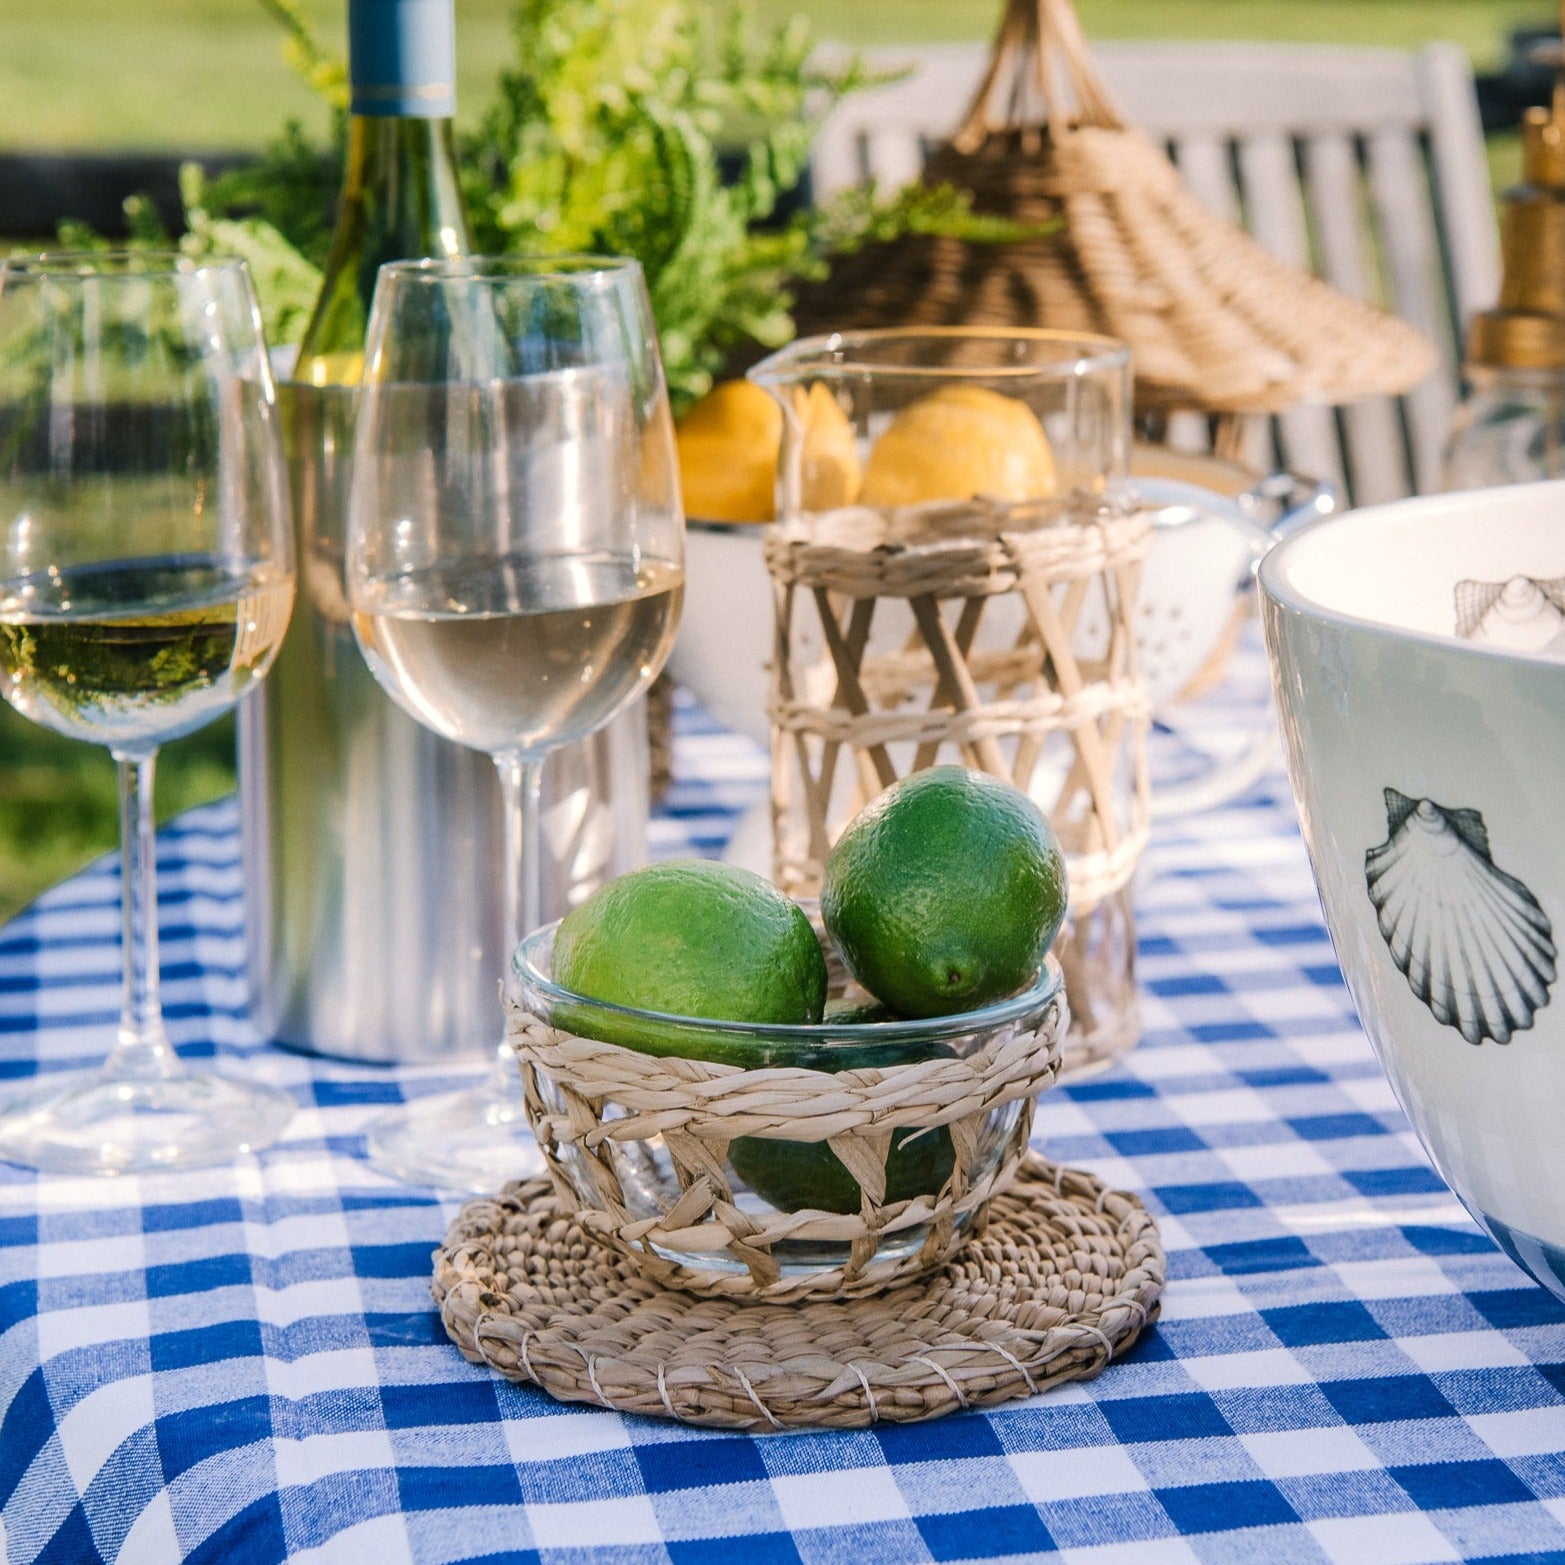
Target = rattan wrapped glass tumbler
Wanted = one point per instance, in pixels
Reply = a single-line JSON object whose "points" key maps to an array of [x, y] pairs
{"points": [[955, 572]]}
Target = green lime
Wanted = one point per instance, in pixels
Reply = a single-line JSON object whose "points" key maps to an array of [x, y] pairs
{"points": [[857, 1013], [793, 1175], [945, 893], [689, 937], [797, 1175]]}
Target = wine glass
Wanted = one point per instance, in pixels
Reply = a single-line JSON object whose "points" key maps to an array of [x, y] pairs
{"points": [[146, 578], [515, 567]]}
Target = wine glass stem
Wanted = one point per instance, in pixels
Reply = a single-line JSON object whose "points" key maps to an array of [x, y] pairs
{"points": [[521, 794], [521, 787], [143, 1049]]}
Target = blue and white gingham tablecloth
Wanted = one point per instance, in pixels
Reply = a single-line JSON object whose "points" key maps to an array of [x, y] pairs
{"points": [[243, 1365]]}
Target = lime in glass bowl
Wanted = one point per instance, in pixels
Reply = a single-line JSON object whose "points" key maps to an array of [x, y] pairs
{"points": [[808, 1210]]}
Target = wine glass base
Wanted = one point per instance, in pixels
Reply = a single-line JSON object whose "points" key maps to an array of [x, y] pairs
{"points": [[474, 1141], [100, 1124]]}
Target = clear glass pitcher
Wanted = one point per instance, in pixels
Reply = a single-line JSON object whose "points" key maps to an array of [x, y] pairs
{"points": [[1208, 523], [931, 449]]}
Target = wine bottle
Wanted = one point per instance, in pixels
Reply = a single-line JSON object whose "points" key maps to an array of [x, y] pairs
{"points": [[369, 842], [401, 197], [374, 925]]}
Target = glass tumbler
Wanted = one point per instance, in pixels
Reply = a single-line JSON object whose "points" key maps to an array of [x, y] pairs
{"points": [[955, 573]]}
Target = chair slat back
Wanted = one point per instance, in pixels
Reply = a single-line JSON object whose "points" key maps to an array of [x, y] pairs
{"points": [[1364, 165]]}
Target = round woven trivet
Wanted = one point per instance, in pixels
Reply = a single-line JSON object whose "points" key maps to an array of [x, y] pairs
{"points": [[1064, 1277]]}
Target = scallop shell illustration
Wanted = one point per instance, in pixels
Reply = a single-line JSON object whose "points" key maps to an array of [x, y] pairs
{"points": [[1473, 942], [1524, 614]]}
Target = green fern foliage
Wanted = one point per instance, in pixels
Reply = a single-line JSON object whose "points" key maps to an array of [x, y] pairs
{"points": [[603, 136]]}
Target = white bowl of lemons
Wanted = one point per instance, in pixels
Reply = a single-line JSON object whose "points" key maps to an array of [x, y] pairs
{"points": [[1213, 519]]}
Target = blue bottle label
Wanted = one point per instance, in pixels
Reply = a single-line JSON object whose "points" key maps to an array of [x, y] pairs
{"points": [[402, 58]]}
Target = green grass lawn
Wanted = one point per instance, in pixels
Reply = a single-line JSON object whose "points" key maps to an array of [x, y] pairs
{"points": [[58, 799], [208, 74]]}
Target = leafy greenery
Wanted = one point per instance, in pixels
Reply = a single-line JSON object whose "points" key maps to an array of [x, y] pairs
{"points": [[858, 218], [286, 281], [603, 136], [604, 139], [323, 73]]}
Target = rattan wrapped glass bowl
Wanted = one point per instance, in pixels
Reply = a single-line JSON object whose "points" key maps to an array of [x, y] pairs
{"points": [[779, 1162]]}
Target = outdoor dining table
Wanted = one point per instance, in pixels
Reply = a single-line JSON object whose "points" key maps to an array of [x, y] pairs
{"points": [[244, 1364]]}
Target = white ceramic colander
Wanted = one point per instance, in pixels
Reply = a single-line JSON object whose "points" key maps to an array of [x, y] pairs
{"points": [[1212, 520]]}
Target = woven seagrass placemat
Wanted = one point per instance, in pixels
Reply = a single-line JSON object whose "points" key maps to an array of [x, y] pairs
{"points": [[1063, 1277]]}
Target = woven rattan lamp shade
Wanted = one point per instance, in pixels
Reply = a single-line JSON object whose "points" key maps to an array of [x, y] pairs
{"points": [[1214, 321]]}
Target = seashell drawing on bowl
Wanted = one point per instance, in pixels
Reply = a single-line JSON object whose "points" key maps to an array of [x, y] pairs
{"points": [[1472, 941], [1523, 614]]}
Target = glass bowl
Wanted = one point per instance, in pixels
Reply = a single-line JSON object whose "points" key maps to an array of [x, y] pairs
{"points": [[793, 1198]]}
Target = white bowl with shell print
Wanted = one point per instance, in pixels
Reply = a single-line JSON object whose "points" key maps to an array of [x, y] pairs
{"points": [[1418, 654]]}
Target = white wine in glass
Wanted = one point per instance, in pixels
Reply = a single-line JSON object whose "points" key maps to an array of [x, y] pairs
{"points": [[115, 654], [146, 578], [539, 653], [515, 566]]}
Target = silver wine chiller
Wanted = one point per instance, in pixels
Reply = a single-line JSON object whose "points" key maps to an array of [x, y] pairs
{"points": [[372, 847]]}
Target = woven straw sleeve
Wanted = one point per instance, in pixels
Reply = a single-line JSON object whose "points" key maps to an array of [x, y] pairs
{"points": [[602, 1112], [993, 702]]}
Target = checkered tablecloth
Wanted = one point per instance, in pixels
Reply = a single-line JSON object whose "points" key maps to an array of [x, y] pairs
{"points": [[243, 1365]]}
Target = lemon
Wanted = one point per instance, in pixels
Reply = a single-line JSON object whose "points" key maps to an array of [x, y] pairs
{"points": [[831, 474], [728, 444], [945, 893], [689, 937], [958, 442]]}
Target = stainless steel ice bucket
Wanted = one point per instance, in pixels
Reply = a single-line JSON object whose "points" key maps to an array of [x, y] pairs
{"points": [[372, 847]]}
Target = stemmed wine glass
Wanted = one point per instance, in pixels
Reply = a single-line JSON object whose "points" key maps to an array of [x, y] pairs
{"points": [[515, 566], [146, 578]]}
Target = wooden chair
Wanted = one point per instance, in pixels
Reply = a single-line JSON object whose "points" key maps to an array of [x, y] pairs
{"points": [[1365, 165]]}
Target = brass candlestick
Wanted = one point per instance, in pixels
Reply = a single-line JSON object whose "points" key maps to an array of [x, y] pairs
{"points": [[1511, 427], [1527, 328]]}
